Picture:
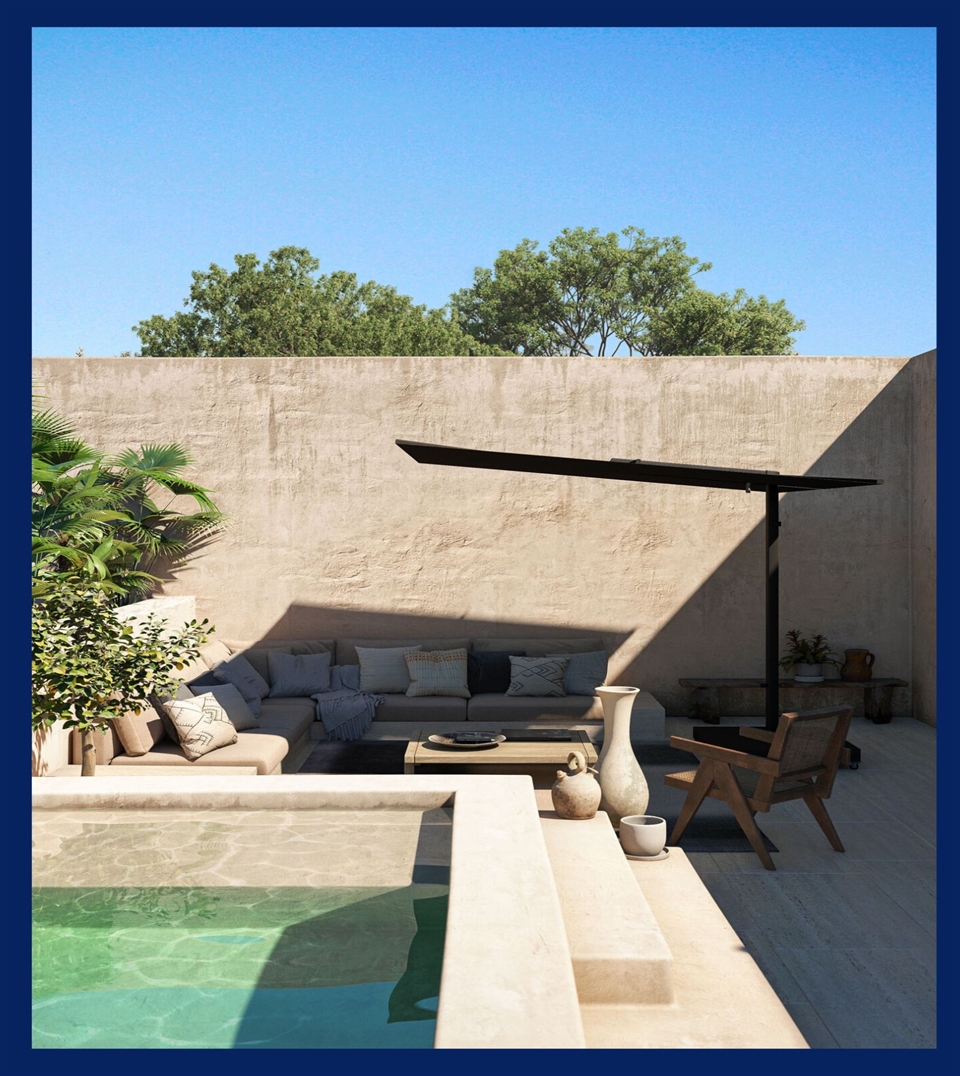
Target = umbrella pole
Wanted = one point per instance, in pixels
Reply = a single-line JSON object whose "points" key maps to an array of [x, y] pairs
{"points": [[772, 625]]}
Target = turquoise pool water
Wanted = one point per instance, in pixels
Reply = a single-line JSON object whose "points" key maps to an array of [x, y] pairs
{"points": [[237, 967]]}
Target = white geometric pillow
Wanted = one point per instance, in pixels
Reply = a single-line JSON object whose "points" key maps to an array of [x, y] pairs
{"points": [[233, 703], [201, 724], [384, 669], [542, 677], [438, 672]]}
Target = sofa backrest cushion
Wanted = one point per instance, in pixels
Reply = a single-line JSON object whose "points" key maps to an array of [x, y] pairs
{"points": [[293, 675], [213, 652], [259, 655], [539, 647], [139, 733], [347, 648]]}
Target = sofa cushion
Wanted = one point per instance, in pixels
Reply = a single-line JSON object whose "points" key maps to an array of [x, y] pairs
{"points": [[139, 733], [540, 647], [428, 708], [238, 671], [252, 748], [489, 670], [585, 672], [296, 714], [213, 652], [497, 709], [259, 655], [537, 676], [347, 648], [202, 725], [437, 672], [384, 668], [235, 705], [298, 674]]}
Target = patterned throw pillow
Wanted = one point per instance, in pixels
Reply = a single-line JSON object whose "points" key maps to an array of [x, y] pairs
{"points": [[384, 669], [298, 674], [438, 672], [537, 676], [234, 705], [585, 672], [488, 671], [239, 672], [201, 725]]}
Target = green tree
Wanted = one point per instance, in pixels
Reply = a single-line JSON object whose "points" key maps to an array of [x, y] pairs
{"points": [[98, 518], [90, 668], [590, 294], [283, 308]]}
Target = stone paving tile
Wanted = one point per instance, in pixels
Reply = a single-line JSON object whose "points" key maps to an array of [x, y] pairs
{"points": [[812, 911], [872, 998], [812, 1028]]}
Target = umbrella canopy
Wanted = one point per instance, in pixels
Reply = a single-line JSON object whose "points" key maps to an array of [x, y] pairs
{"points": [[770, 483]]}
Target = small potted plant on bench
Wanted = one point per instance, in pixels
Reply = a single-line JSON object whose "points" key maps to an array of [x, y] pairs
{"points": [[807, 656]]}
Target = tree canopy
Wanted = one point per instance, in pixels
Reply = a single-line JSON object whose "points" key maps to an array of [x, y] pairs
{"points": [[587, 293], [282, 308]]}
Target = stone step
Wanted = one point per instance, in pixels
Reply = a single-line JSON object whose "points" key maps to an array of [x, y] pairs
{"points": [[618, 951]]}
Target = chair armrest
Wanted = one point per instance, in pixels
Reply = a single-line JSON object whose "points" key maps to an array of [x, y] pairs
{"points": [[724, 754]]}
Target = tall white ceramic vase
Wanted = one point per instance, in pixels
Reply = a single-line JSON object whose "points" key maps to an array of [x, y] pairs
{"points": [[623, 787]]}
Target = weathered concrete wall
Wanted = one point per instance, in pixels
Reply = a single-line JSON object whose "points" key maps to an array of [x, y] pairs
{"points": [[337, 531], [924, 538]]}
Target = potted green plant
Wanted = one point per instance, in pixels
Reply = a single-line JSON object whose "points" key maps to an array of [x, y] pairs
{"points": [[807, 656], [89, 667]]}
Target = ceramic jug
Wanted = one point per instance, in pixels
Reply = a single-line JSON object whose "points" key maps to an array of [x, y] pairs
{"points": [[858, 666], [576, 794]]}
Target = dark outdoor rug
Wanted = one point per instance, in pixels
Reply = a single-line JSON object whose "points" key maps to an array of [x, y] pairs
{"points": [[360, 757], [713, 829]]}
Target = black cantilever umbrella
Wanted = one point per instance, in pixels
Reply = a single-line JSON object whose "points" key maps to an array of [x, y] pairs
{"points": [[771, 483]]}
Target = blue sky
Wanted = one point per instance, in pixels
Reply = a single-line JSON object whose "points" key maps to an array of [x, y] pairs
{"points": [[800, 161]]}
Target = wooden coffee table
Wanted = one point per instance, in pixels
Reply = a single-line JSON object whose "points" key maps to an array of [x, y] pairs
{"points": [[538, 759]]}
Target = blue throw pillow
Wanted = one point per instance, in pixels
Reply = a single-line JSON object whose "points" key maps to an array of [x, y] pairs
{"points": [[585, 672], [488, 671]]}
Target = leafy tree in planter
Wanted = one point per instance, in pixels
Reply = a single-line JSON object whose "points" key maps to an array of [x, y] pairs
{"points": [[89, 667], [98, 518]]}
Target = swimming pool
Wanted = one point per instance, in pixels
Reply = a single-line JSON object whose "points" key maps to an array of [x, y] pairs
{"points": [[506, 978], [234, 965]]}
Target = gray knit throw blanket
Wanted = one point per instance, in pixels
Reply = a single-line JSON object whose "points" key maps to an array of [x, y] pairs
{"points": [[346, 714]]}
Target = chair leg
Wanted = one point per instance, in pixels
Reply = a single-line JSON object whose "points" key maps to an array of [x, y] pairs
{"points": [[697, 794], [819, 811], [741, 810]]}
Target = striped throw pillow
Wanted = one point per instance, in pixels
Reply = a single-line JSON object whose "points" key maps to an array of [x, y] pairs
{"points": [[438, 672]]}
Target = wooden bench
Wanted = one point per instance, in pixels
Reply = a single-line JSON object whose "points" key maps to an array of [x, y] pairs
{"points": [[877, 694]]}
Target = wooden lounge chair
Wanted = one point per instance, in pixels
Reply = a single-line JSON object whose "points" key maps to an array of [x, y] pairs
{"points": [[801, 763]]}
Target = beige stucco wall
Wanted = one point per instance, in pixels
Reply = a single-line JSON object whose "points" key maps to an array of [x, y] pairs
{"points": [[924, 538], [337, 531]]}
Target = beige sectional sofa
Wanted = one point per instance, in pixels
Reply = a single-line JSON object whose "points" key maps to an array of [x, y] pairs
{"points": [[287, 724]]}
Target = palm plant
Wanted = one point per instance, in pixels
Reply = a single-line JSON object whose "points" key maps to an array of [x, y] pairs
{"points": [[99, 518]]}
